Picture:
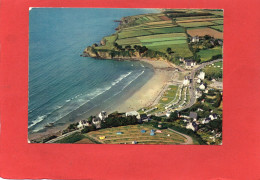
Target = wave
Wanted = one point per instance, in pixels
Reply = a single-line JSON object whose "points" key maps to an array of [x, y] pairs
{"points": [[37, 120], [69, 103]]}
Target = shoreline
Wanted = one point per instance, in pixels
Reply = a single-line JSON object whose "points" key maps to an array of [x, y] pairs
{"points": [[142, 97]]}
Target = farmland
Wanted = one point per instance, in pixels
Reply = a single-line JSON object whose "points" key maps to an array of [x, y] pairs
{"points": [[164, 35], [207, 54], [205, 31], [133, 133]]}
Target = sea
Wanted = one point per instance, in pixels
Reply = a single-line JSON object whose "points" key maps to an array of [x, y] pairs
{"points": [[65, 87]]}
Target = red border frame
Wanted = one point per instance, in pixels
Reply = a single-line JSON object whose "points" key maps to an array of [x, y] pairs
{"points": [[237, 158]]}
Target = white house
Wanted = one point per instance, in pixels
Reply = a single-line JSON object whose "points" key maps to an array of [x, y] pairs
{"points": [[192, 125], [189, 63], [186, 82], [168, 114], [206, 120], [96, 122], [213, 116], [195, 39], [102, 115], [201, 75], [82, 124], [202, 87], [198, 81], [133, 113]]}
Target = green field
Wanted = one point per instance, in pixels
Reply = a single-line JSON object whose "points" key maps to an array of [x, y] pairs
{"points": [[218, 22], [196, 24], [169, 95], [133, 133], [218, 28], [207, 54], [167, 30]]}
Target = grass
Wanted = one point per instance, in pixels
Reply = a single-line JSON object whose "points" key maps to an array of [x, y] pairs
{"points": [[196, 24], [154, 36], [129, 34], [181, 50], [71, 138], [194, 17], [129, 41], [218, 28], [133, 133], [207, 54], [161, 43], [169, 95], [218, 22], [167, 30]]}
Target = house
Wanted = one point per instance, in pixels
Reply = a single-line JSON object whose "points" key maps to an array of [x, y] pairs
{"points": [[181, 59], [206, 120], [102, 115], [193, 116], [202, 87], [82, 124], [96, 122], [185, 120], [195, 39], [189, 63], [192, 125], [201, 75], [198, 93], [133, 113], [213, 116], [186, 81], [198, 81], [168, 114]]}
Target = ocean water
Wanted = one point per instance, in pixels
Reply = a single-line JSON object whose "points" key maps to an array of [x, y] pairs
{"points": [[63, 86]]}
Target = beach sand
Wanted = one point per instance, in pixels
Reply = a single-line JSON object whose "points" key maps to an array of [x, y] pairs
{"points": [[148, 93]]}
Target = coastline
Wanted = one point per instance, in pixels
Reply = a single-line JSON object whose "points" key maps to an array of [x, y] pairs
{"points": [[142, 97]]}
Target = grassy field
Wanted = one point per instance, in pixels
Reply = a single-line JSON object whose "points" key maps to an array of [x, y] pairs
{"points": [[218, 27], [207, 54], [196, 24], [169, 95], [133, 133]]}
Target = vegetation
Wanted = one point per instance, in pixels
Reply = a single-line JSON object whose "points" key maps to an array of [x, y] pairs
{"points": [[71, 138]]}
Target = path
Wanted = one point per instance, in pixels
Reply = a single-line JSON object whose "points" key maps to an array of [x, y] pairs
{"points": [[189, 139]]}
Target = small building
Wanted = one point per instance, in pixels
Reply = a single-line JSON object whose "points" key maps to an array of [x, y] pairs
{"points": [[189, 63], [82, 124], [202, 87], [186, 81], [201, 75], [118, 133], [213, 116], [96, 122], [102, 115], [198, 81], [143, 131], [133, 113], [198, 93], [192, 125], [193, 116], [158, 131], [168, 114], [181, 59], [206, 120], [195, 39]]}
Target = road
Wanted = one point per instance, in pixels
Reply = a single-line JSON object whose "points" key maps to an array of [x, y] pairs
{"points": [[189, 139], [192, 89], [62, 136]]}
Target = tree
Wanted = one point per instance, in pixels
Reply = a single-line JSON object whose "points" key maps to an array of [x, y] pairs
{"points": [[169, 50], [174, 116]]}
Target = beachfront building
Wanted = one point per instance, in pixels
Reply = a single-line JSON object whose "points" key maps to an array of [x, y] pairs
{"points": [[202, 87], [82, 124], [96, 122], [168, 114], [102, 115], [133, 113]]}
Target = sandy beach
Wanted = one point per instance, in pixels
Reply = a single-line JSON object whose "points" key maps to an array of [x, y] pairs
{"points": [[147, 94]]}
